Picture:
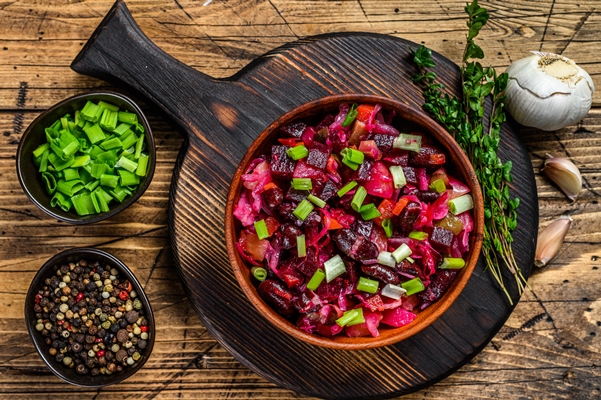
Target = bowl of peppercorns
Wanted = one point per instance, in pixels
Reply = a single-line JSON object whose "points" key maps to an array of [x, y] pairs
{"points": [[89, 318]]}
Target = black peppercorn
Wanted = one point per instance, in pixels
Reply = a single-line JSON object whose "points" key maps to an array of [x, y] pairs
{"points": [[76, 347], [81, 369]]}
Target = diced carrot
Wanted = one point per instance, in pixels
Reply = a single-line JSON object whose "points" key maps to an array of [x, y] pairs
{"points": [[288, 141], [269, 185], [437, 159], [364, 111], [272, 225], [334, 225], [385, 208], [400, 205]]}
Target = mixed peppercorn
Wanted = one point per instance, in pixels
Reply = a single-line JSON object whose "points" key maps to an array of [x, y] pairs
{"points": [[91, 318]]}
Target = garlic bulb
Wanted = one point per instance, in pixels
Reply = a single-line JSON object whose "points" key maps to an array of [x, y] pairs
{"points": [[548, 91], [565, 174]]}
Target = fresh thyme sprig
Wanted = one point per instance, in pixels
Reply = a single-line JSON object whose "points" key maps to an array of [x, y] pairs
{"points": [[478, 133]]}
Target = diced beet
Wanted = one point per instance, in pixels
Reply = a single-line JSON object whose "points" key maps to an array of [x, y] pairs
{"points": [[294, 129], [286, 209], [318, 155], [428, 156], [310, 264], [276, 295], [384, 142], [325, 122], [287, 235], [405, 268], [304, 170], [366, 250], [281, 166], [363, 228], [312, 220], [337, 144], [398, 157], [439, 284], [441, 239], [289, 274], [381, 273], [428, 197], [305, 304], [296, 195], [410, 175], [344, 239], [272, 198], [330, 290], [327, 191], [363, 173], [409, 215]]}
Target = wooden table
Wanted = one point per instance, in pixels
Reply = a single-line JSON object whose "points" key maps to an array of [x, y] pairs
{"points": [[549, 347]]}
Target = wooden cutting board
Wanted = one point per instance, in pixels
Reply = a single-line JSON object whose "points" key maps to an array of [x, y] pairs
{"points": [[220, 118]]}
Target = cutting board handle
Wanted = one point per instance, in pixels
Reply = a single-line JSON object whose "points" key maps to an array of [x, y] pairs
{"points": [[119, 52]]}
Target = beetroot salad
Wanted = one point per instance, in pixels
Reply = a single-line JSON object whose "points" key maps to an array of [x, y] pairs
{"points": [[347, 223]]}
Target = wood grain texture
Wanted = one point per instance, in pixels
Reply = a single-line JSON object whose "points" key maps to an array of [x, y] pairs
{"points": [[553, 356], [220, 118]]}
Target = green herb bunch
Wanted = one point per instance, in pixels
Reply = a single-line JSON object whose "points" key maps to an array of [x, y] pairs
{"points": [[478, 133]]}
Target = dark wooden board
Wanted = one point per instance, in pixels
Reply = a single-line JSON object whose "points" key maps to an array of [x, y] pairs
{"points": [[220, 119]]}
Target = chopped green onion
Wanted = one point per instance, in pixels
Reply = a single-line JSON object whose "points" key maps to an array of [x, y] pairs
{"points": [[108, 106], [128, 140], [406, 141], [122, 128], [65, 145], [346, 188], [139, 145], [461, 204], [317, 201], [142, 165], [438, 186], [128, 178], [358, 198], [71, 173], [109, 156], [302, 184], [411, 260], [101, 198], [69, 187], [80, 161], [386, 258], [352, 155], [417, 235], [127, 164], [111, 143], [369, 212], [98, 170], [119, 193], [297, 152], [139, 128], [91, 112], [261, 229], [303, 209], [351, 317], [94, 133], [127, 117], [368, 285], [41, 149], [62, 201], [108, 120], [109, 180], [398, 176], [401, 252], [95, 151], [58, 163], [334, 267], [387, 226], [301, 246], [452, 263], [92, 185], [413, 286], [393, 291], [49, 182], [316, 279], [350, 116], [259, 273], [44, 161], [83, 204]]}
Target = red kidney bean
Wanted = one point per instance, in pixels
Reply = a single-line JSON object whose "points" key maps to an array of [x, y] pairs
{"points": [[381, 273], [277, 296]]}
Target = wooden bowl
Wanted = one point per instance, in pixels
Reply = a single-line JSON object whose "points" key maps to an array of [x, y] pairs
{"points": [[34, 135], [460, 167], [68, 374]]}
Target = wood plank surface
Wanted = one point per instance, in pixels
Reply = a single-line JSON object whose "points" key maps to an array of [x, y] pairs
{"points": [[549, 347]]}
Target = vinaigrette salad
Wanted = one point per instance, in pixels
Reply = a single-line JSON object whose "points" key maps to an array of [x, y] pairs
{"points": [[349, 224]]}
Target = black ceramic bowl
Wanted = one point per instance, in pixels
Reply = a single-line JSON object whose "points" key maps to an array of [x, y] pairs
{"points": [[58, 368], [34, 135]]}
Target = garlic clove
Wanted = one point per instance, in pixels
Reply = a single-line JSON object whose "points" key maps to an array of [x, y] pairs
{"points": [[565, 175], [550, 240], [548, 91]]}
